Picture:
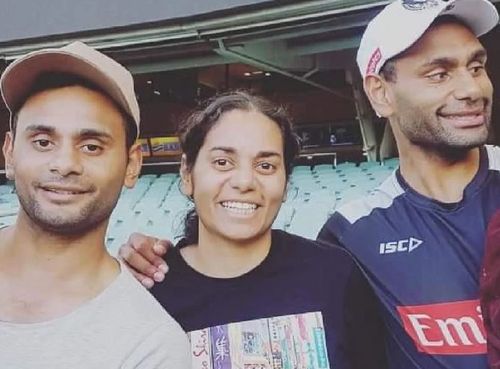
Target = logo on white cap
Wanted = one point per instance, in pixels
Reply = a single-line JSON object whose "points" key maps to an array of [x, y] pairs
{"points": [[374, 61], [419, 4]]}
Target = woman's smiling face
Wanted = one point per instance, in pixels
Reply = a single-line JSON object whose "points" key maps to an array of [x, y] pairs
{"points": [[238, 180]]}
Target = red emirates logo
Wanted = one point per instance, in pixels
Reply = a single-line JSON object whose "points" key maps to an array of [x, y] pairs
{"points": [[374, 60], [454, 328]]}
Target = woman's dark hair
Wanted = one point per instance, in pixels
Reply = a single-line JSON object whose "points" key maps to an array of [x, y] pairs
{"points": [[195, 128]]}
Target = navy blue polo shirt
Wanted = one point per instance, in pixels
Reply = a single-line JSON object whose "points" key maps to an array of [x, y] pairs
{"points": [[423, 259]]}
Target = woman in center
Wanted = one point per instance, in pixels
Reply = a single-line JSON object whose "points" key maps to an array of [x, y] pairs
{"points": [[273, 299]]}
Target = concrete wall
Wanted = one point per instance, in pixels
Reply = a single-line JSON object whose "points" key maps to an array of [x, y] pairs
{"points": [[21, 19]]}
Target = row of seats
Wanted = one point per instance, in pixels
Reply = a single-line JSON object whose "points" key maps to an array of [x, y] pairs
{"points": [[9, 205], [157, 207]]}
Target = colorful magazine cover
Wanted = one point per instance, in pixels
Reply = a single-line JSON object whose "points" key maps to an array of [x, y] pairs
{"points": [[283, 342]]}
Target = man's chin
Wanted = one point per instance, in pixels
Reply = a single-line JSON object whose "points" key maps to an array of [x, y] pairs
{"points": [[68, 221], [468, 142], [65, 227], [451, 146], [457, 150], [465, 139]]}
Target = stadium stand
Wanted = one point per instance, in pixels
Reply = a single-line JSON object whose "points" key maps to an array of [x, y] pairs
{"points": [[157, 207]]}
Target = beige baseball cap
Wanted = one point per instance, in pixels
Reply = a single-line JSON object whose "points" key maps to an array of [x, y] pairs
{"points": [[401, 23], [75, 58]]}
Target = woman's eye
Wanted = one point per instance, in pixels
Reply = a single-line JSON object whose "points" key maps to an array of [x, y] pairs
{"points": [[266, 167], [222, 164]]}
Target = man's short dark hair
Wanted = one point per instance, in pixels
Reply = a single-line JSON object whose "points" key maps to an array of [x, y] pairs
{"points": [[388, 70], [54, 80]]}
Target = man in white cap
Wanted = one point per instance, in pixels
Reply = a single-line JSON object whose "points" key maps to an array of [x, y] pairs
{"points": [[64, 301], [420, 236]]}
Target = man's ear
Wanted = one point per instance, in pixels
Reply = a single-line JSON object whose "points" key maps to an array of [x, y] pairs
{"points": [[186, 177], [8, 149], [133, 166], [378, 92]]}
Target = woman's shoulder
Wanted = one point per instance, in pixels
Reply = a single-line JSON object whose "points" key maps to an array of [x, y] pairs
{"points": [[305, 248]]}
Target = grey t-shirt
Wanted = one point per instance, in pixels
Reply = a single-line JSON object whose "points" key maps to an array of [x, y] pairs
{"points": [[123, 327]]}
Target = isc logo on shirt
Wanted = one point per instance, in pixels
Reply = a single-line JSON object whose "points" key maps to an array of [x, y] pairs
{"points": [[453, 328], [406, 245]]}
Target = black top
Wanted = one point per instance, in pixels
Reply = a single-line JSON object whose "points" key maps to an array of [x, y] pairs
{"points": [[297, 276]]}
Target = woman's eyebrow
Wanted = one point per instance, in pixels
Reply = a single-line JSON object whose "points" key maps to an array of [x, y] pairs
{"points": [[229, 150]]}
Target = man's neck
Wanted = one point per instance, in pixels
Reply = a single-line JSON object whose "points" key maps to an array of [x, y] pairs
{"points": [[44, 275], [442, 176]]}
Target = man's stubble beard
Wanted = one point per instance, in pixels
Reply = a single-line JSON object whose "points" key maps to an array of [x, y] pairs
{"points": [[425, 130], [89, 217]]}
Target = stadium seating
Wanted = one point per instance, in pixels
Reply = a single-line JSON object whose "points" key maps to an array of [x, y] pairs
{"points": [[157, 207], [9, 205]]}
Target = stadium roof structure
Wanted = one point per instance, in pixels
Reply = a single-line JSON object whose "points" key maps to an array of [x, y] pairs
{"points": [[27, 19], [302, 40], [156, 35]]}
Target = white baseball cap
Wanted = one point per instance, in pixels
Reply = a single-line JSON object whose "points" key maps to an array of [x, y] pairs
{"points": [[401, 23], [75, 58]]}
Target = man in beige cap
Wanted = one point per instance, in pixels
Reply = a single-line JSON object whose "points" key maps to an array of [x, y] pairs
{"points": [[64, 301]]}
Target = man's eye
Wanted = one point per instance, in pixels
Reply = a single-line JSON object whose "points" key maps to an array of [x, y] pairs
{"points": [[92, 149], [42, 144], [221, 162], [477, 69], [438, 77]]}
